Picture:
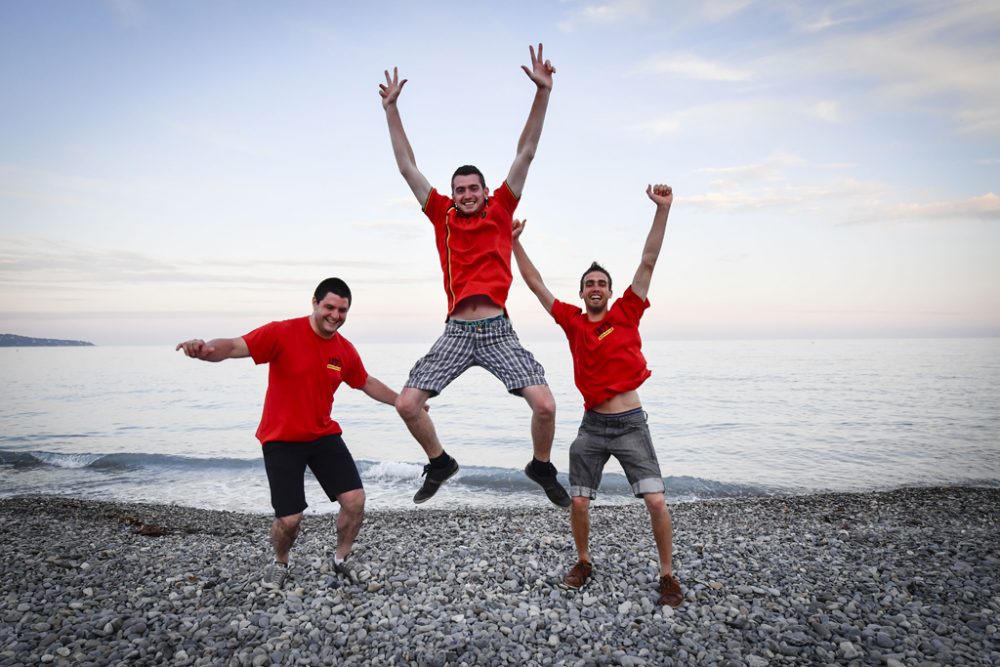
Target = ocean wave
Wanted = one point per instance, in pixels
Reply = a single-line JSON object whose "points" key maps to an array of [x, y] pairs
{"points": [[383, 478], [119, 461], [382, 474]]}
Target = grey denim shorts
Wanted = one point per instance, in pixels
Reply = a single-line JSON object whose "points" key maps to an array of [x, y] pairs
{"points": [[624, 436]]}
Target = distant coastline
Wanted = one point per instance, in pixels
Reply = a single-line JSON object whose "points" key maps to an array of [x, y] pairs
{"points": [[13, 340]]}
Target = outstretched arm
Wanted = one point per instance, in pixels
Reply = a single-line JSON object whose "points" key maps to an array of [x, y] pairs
{"points": [[377, 390], [528, 271], [401, 149], [216, 349], [663, 197], [541, 72], [381, 392]]}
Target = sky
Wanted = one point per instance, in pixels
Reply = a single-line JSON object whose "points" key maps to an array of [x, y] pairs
{"points": [[183, 169]]}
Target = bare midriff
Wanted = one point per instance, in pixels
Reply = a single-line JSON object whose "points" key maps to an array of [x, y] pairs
{"points": [[475, 307], [623, 402]]}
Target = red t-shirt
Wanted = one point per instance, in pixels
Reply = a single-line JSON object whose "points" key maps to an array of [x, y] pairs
{"points": [[474, 250], [607, 355], [305, 370]]}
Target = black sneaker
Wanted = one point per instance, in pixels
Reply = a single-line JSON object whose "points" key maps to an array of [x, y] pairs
{"points": [[553, 489], [347, 569], [433, 478]]}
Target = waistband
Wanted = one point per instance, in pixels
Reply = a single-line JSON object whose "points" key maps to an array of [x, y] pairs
{"points": [[486, 323], [629, 416]]}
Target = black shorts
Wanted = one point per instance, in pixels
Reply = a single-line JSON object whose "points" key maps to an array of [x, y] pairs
{"points": [[327, 457]]}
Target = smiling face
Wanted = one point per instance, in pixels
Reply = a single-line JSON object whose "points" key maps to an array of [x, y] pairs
{"points": [[329, 314], [469, 193], [596, 292]]}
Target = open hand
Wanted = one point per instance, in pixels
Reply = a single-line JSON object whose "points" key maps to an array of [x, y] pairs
{"points": [[541, 70], [392, 87], [517, 227]]}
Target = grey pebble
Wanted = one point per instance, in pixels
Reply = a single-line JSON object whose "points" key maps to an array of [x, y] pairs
{"points": [[835, 579]]}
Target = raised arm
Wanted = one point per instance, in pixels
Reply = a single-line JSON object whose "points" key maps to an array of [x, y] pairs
{"points": [[541, 72], [216, 349], [528, 271], [663, 197], [401, 149]]}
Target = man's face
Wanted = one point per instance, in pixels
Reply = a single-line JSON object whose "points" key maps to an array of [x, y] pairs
{"points": [[595, 292], [469, 194], [329, 314]]}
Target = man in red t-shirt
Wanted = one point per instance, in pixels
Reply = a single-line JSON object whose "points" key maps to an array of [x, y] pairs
{"points": [[473, 236], [608, 367], [308, 360]]}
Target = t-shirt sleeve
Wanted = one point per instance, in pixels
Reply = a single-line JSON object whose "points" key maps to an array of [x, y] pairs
{"points": [[437, 206], [631, 305], [354, 373], [263, 343], [505, 198], [564, 314]]}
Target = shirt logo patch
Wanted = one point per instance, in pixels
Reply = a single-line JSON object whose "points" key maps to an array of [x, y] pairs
{"points": [[604, 330], [334, 364]]}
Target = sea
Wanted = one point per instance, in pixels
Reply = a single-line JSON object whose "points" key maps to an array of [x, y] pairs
{"points": [[729, 419]]}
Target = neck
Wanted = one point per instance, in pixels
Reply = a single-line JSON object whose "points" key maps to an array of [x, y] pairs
{"points": [[316, 330]]}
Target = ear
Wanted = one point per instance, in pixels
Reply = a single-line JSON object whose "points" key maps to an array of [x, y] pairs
{"points": [[486, 192]]}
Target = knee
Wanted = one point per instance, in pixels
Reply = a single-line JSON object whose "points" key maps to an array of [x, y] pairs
{"points": [[581, 504], [409, 405], [655, 503], [352, 502], [544, 405], [289, 523]]}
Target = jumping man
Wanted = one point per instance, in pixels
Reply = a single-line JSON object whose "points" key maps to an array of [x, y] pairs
{"points": [[473, 234], [608, 368]]}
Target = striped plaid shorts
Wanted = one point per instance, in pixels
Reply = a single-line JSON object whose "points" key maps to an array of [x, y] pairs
{"points": [[490, 344]]}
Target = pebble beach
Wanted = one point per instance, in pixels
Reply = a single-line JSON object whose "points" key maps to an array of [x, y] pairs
{"points": [[905, 577]]}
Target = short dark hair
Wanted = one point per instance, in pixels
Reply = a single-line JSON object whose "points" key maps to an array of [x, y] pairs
{"points": [[594, 266], [468, 170], [335, 285]]}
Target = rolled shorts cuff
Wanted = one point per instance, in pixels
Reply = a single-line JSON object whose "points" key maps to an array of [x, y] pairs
{"points": [[582, 492], [649, 485]]}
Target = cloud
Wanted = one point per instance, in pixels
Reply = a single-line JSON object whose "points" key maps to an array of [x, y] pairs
{"points": [[828, 110], [717, 10], [51, 264], [985, 207], [691, 66], [941, 56], [614, 11], [746, 114], [771, 168]]}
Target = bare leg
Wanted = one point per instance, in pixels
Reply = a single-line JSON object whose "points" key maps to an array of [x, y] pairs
{"points": [[284, 530], [579, 521], [410, 406], [543, 419], [663, 530], [349, 519]]}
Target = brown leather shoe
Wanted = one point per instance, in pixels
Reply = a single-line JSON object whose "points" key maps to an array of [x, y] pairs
{"points": [[670, 591], [578, 575]]}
